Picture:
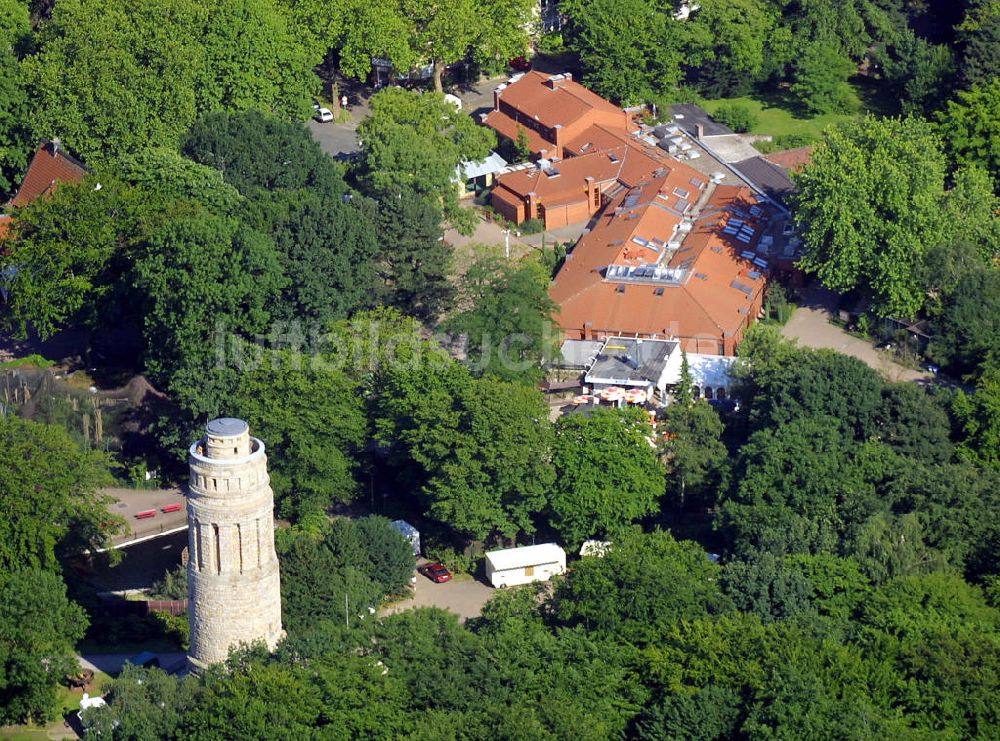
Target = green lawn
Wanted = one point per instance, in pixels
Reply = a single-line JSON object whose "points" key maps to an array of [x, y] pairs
{"points": [[777, 114]]}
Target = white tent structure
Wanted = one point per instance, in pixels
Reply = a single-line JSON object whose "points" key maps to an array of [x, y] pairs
{"points": [[513, 566]]}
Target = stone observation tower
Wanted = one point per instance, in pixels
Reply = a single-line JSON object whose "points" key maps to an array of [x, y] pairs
{"points": [[234, 590]]}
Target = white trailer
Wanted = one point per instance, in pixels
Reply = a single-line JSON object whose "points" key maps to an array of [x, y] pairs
{"points": [[513, 566]]}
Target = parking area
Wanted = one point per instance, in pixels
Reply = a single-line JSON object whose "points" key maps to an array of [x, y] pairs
{"points": [[465, 597], [810, 326]]}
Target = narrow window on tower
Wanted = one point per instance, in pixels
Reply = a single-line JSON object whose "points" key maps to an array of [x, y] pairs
{"points": [[239, 539], [258, 541], [196, 542], [218, 550]]}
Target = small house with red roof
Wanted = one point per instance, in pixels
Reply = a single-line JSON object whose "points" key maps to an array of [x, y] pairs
{"points": [[50, 166]]}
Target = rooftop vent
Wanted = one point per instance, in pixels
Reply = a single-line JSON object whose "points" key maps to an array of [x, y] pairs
{"points": [[658, 291], [551, 172]]}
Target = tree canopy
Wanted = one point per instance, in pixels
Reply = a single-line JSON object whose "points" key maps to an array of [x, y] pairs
{"points": [[607, 473], [109, 81]]}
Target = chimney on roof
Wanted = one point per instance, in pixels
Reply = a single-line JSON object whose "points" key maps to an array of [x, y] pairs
{"points": [[699, 131], [54, 145], [496, 96], [568, 76]]}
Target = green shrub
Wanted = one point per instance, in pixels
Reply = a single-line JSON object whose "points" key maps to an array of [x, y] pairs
{"points": [[531, 226], [551, 43], [736, 116], [33, 361]]}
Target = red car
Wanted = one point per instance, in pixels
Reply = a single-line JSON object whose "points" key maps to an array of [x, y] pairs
{"points": [[436, 572]]}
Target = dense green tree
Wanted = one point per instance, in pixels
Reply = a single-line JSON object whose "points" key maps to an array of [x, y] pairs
{"points": [[820, 79], [821, 382], [979, 41], [607, 473], [869, 206], [914, 421], [311, 416], [800, 488], [413, 142], [207, 282], [66, 251], [970, 127], [414, 261], [38, 629], [692, 448], [768, 588], [143, 705], [479, 450], [644, 583], [630, 50], [15, 28], [238, 700], [972, 211], [888, 546], [978, 415], [705, 715], [336, 575], [175, 59], [508, 321], [410, 33], [956, 505], [327, 250], [441, 664], [255, 151], [726, 40], [921, 74], [50, 489], [967, 331], [169, 176]]}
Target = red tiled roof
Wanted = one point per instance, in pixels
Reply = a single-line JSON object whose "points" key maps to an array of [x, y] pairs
{"points": [[5, 224], [509, 128], [627, 164], [561, 102], [705, 304], [49, 167], [790, 159]]}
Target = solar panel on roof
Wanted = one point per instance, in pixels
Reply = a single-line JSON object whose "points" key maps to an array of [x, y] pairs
{"points": [[760, 262], [730, 230], [741, 287], [682, 204], [639, 241], [743, 238], [747, 255], [756, 210], [753, 274], [681, 192]]}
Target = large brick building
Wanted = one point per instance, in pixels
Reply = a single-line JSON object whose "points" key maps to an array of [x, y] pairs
{"points": [[670, 252]]}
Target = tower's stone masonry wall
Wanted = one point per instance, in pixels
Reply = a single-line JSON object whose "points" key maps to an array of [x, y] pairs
{"points": [[233, 582]]}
